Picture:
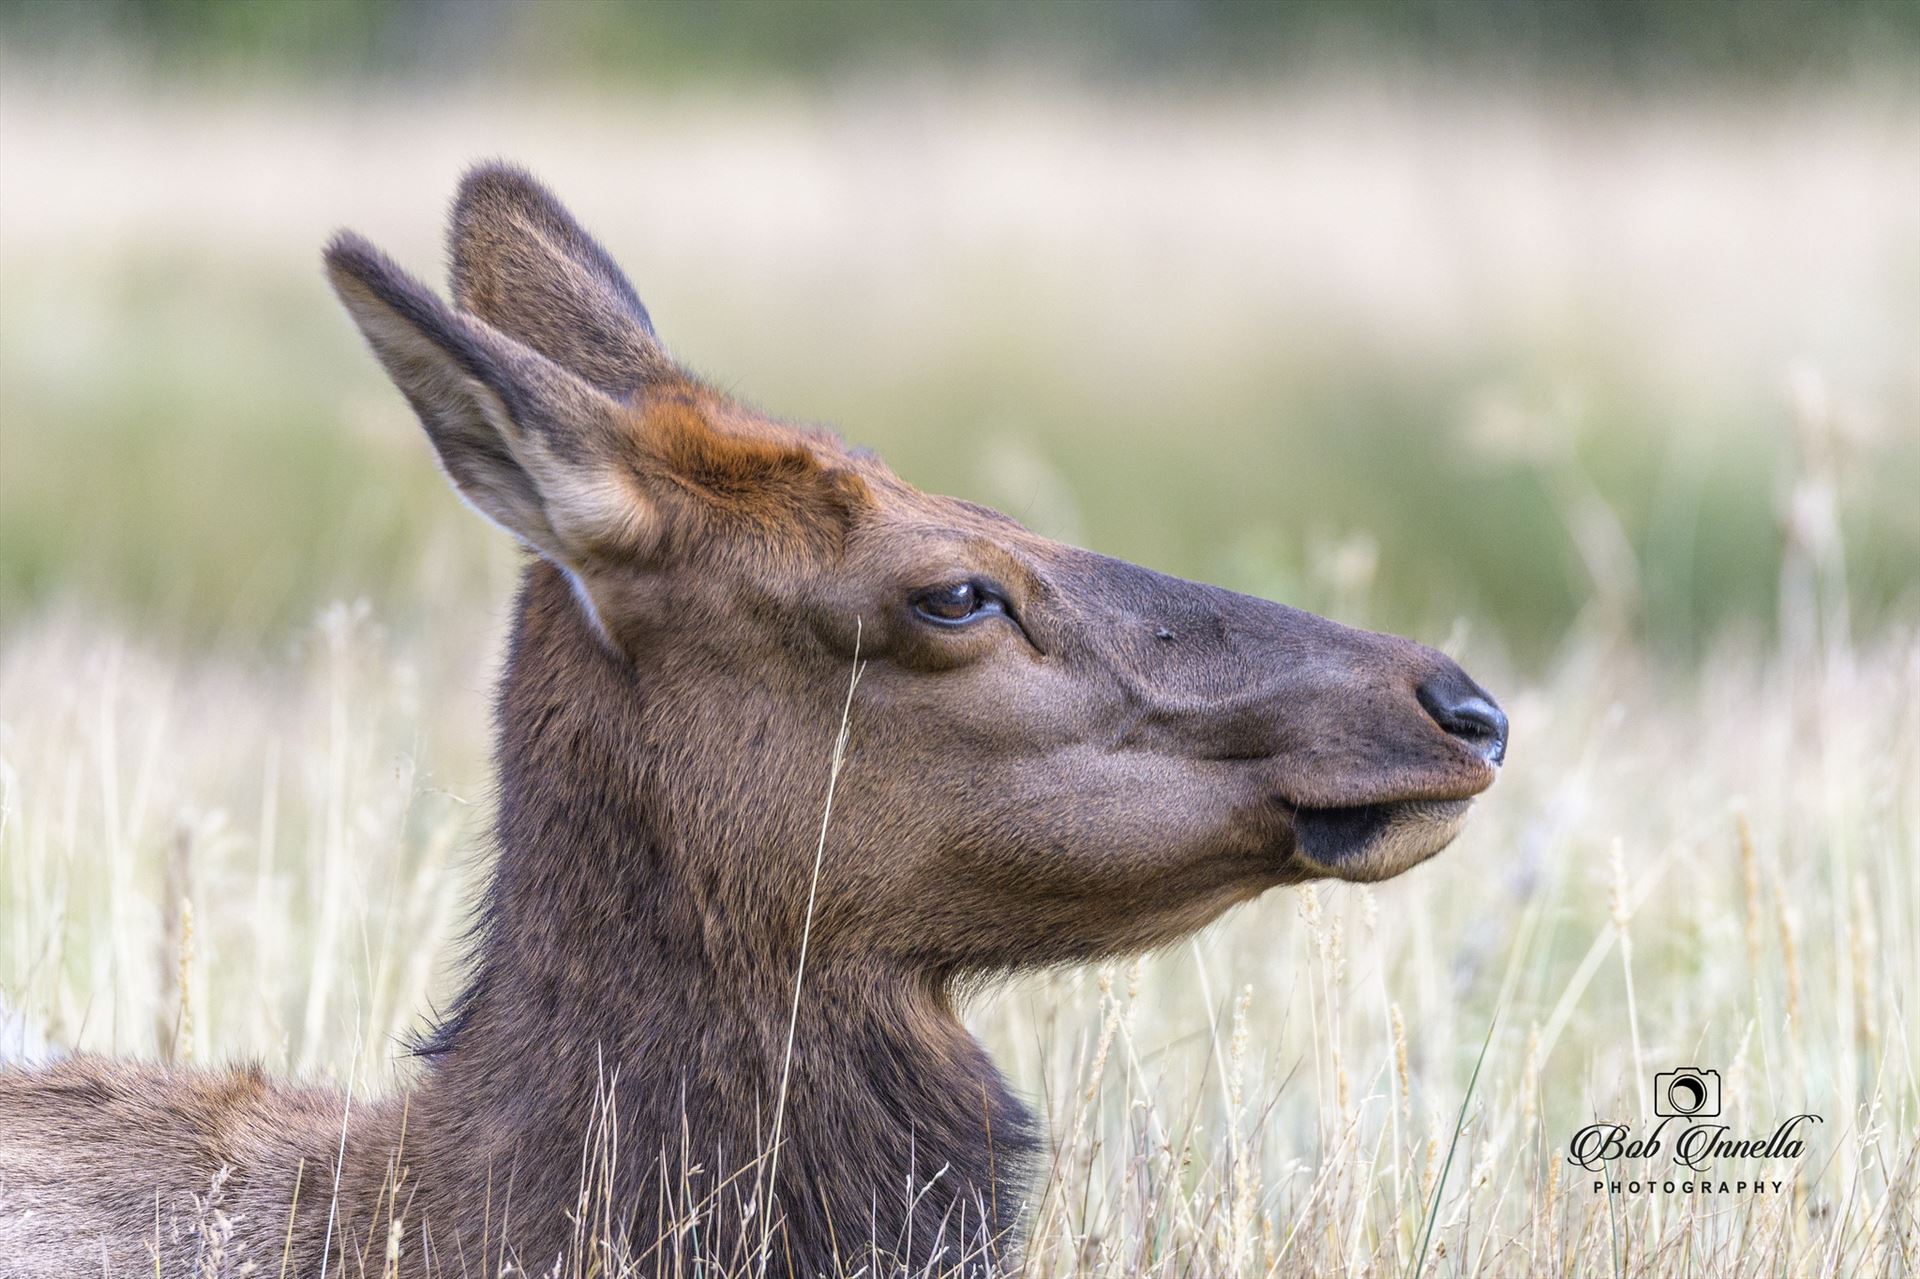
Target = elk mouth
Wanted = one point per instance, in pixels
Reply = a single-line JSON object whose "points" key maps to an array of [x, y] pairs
{"points": [[1368, 842]]}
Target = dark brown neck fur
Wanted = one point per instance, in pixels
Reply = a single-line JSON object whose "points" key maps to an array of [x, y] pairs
{"points": [[611, 964]]}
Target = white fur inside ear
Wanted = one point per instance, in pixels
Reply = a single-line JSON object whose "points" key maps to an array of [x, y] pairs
{"points": [[489, 470], [559, 496], [471, 431], [579, 505]]}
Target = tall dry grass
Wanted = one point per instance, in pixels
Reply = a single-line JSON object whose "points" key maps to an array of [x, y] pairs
{"points": [[1717, 872]]}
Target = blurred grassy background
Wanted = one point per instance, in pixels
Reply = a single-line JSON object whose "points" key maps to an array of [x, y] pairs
{"points": [[687, 40], [1417, 313], [1582, 338]]}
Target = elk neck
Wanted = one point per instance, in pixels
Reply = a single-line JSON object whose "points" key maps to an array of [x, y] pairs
{"points": [[611, 964]]}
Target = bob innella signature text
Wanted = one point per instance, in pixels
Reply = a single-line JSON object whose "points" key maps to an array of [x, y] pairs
{"points": [[1693, 1146]]}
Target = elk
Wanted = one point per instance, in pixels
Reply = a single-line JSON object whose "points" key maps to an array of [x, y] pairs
{"points": [[734, 1019]]}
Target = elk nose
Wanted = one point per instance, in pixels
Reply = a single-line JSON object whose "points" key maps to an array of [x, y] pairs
{"points": [[1458, 705]]}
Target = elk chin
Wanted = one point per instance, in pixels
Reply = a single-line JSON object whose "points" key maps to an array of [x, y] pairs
{"points": [[1371, 842]]}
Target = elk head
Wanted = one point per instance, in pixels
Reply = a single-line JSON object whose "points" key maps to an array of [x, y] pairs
{"points": [[1054, 755]]}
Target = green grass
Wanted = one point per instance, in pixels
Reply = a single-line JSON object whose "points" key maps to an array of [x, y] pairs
{"points": [[215, 455]]}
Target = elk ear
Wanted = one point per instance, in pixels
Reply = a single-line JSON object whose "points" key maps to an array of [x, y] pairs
{"points": [[526, 442], [522, 264]]}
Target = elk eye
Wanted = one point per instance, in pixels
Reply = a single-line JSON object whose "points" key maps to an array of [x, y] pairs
{"points": [[959, 602]]}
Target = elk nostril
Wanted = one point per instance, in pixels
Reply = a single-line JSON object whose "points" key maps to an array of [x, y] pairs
{"points": [[1467, 714]]}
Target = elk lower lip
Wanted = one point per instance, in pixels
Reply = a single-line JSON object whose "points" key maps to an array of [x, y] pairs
{"points": [[1330, 837], [1325, 835]]}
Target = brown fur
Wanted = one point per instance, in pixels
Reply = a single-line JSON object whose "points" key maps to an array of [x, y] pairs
{"points": [[1100, 764]]}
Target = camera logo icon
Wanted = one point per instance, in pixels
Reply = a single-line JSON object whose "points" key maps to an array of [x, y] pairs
{"points": [[1686, 1092]]}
